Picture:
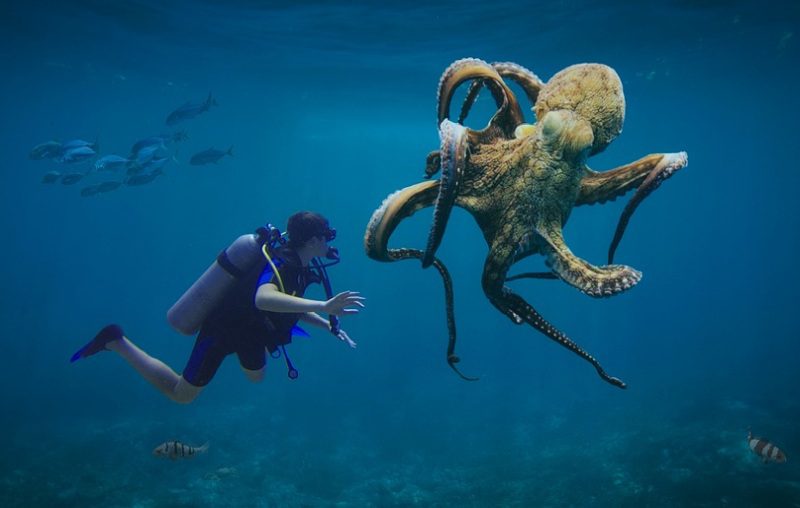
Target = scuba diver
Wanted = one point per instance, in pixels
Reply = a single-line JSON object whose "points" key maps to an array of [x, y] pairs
{"points": [[247, 302]]}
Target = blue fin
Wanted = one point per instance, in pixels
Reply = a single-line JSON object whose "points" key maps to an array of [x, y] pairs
{"points": [[299, 332], [98, 343]]}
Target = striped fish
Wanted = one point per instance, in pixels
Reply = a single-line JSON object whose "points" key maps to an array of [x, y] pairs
{"points": [[176, 450], [764, 449]]}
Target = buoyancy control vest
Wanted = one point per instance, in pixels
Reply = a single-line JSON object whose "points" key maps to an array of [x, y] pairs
{"points": [[193, 307]]}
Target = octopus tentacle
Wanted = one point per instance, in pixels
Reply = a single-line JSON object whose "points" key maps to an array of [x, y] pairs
{"points": [[518, 306], [530, 83], [520, 311], [461, 71], [432, 164], [592, 280], [382, 224], [508, 114], [452, 358], [532, 275], [453, 156], [525, 248], [667, 166], [396, 207], [525, 78], [598, 187], [469, 100]]}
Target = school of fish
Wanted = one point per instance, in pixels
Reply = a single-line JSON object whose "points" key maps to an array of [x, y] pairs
{"points": [[146, 162]]}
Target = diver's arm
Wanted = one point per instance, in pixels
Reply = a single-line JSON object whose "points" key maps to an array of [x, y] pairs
{"points": [[269, 298], [315, 319]]}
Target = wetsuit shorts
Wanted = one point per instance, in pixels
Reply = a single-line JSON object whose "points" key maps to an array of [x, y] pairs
{"points": [[211, 348]]}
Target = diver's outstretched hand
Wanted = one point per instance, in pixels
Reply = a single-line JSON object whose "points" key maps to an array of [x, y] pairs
{"points": [[339, 304], [346, 338]]}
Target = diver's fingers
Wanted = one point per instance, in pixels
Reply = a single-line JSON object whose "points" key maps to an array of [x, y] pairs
{"points": [[349, 311], [346, 338], [355, 294], [348, 296], [353, 301]]}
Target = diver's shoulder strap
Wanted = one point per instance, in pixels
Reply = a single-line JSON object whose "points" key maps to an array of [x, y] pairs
{"points": [[265, 251]]}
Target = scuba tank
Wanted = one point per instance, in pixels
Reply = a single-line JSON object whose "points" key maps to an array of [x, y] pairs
{"points": [[191, 309]]}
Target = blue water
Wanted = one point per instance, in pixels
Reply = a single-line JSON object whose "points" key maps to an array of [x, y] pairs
{"points": [[331, 108]]}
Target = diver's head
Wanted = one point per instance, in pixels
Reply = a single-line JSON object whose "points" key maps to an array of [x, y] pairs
{"points": [[310, 232]]}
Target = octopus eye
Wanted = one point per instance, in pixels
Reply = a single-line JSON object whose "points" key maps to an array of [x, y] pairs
{"points": [[551, 126]]}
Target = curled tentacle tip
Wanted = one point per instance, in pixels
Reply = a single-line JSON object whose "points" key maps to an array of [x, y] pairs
{"points": [[452, 360], [617, 382], [682, 158], [427, 260]]}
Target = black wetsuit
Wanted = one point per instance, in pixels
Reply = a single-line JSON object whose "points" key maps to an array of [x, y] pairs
{"points": [[237, 326]]}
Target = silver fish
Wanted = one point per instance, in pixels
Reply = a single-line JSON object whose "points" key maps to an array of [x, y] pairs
{"points": [[143, 179], [49, 150], [77, 143], [162, 139], [99, 188], [110, 163], [156, 163], [176, 450], [108, 186], [209, 156], [91, 190], [148, 166], [189, 110], [149, 152], [764, 449], [71, 178], [77, 155], [51, 176]]}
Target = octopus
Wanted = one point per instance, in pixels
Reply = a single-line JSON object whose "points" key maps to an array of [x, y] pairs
{"points": [[520, 181]]}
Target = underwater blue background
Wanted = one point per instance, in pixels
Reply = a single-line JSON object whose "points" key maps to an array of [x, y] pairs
{"points": [[331, 108]]}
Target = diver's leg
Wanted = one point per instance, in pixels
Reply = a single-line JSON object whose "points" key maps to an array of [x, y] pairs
{"points": [[155, 372], [252, 358], [185, 392], [254, 376]]}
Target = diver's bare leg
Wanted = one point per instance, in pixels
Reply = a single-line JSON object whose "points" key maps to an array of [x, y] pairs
{"points": [[155, 372], [254, 376]]}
